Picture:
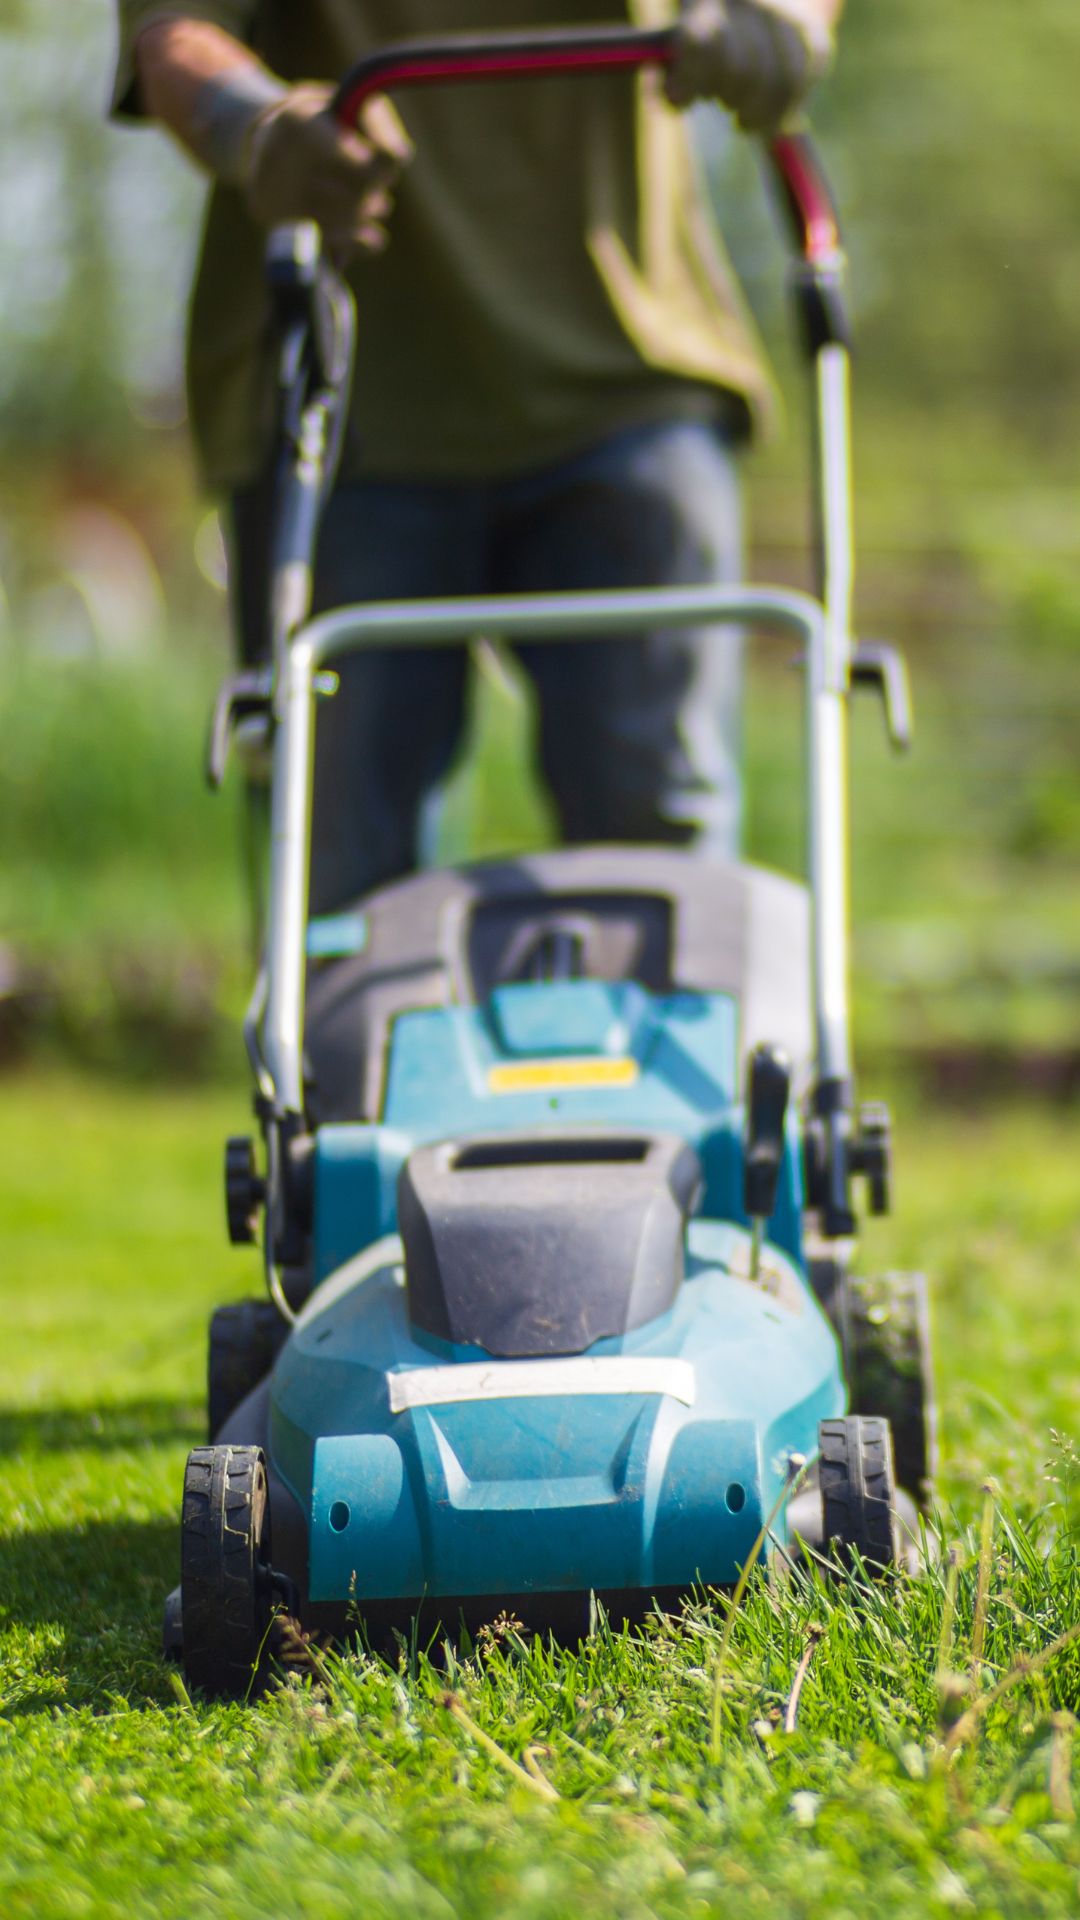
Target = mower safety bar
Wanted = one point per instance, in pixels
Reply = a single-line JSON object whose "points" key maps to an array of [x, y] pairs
{"points": [[554, 617], [458, 58]]}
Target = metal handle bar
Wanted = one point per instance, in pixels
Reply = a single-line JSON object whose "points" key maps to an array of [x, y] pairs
{"points": [[548, 617], [458, 58]]}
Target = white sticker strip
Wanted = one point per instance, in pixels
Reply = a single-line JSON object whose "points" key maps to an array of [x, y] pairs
{"points": [[540, 1379]]}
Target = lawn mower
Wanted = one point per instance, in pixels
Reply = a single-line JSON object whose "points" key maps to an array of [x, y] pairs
{"points": [[555, 1185]]}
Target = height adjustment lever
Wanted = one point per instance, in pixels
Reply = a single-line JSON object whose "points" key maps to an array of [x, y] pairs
{"points": [[875, 664], [767, 1091], [243, 715]]}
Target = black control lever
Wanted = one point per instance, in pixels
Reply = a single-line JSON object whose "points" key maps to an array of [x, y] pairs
{"points": [[875, 664], [243, 696], [837, 1149], [768, 1088], [247, 695], [315, 316]]}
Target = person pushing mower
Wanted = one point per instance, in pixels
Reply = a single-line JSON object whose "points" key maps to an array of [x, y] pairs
{"points": [[555, 374], [557, 1157]]}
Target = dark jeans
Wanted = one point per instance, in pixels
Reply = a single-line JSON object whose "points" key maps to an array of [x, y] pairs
{"points": [[638, 738]]}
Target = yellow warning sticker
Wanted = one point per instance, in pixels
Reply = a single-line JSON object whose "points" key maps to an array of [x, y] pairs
{"points": [[561, 1076]]}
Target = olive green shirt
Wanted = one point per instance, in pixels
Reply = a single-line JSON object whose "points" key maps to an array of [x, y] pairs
{"points": [[552, 276]]}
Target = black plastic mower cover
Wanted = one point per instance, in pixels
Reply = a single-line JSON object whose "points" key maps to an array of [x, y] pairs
{"points": [[540, 1243]]}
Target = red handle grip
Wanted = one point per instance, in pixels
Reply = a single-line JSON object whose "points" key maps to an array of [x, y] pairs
{"points": [[500, 56], [806, 190], [518, 56]]}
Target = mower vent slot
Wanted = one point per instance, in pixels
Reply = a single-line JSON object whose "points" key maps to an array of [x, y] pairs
{"points": [[481, 1156]]}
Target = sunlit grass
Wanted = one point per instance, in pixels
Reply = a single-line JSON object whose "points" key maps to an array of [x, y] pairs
{"points": [[374, 1788]]}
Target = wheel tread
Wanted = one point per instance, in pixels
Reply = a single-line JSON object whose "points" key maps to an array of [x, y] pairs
{"points": [[858, 1489], [225, 1545]]}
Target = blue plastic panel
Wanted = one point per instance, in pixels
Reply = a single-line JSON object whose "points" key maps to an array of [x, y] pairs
{"points": [[575, 1017], [550, 1494], [336, 936], [441, 1061], [683, 1071]]}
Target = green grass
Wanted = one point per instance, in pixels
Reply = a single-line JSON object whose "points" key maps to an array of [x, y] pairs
{"points": [[362, 1790]]}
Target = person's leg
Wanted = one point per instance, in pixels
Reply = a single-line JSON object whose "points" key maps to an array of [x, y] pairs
{"points": [[639, 739], [389, 734]]}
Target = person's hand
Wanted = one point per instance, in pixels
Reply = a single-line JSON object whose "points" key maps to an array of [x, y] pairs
{"points": [[757, 57], [300, 164]]}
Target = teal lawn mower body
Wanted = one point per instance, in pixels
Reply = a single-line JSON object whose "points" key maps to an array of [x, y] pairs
{"points": [[645, 1467], [556, 1450], [555, 1190]]}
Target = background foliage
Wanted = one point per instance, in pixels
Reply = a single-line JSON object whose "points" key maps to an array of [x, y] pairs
{"points": [[953, 148]]}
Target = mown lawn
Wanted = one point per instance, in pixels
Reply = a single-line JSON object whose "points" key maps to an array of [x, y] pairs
{"points": [[628, 1777]]}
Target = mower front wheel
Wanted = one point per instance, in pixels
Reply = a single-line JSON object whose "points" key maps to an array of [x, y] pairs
{"points": [[226, 1595], [858, 1491]]}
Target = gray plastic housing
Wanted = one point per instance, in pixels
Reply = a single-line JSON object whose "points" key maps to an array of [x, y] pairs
{"points": [[542, 1243], [662, 916]]}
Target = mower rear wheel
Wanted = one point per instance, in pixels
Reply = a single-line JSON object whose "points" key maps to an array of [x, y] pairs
{"points": [[858, 1491], [245, 1340], [226, 1598], [885, 1333]]}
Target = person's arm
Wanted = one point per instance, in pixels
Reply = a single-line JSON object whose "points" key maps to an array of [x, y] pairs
{"points": [[279, 145], [758, 57]]}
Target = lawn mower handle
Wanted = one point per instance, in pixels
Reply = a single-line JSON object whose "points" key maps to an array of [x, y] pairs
{"points": [[455, 59], [823, 623]]}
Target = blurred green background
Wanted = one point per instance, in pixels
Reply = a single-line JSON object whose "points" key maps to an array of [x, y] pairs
{"points": [[953, 144]]}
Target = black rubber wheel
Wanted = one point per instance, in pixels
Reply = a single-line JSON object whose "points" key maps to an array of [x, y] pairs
{"points": [[245, 1340], [226, 1602], [885, 1334], [858, 1490]]}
